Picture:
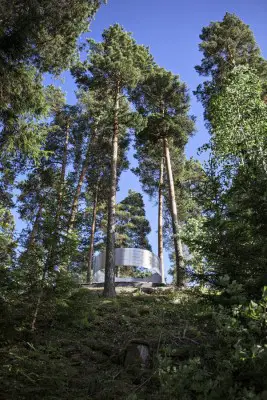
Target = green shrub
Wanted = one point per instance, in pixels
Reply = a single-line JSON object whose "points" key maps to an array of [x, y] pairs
{"points": [[77, 310], [231, 363]]}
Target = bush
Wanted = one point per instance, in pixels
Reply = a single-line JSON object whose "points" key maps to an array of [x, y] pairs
{"points": [[77, 310], [231, 363]]}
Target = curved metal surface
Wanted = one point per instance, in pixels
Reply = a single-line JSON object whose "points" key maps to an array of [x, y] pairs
{"points": [[130, 257]]}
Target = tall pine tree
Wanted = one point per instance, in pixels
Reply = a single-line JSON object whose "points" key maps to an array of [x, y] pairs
{"points": [[115, 65], [163, 99]]}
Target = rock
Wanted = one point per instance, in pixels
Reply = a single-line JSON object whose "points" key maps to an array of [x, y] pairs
{"points": [[147, 290], [137, 355]]}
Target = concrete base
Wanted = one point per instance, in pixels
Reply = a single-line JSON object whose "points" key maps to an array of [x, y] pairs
{"points": [[99, 277], [132, 288], [135, 284]]}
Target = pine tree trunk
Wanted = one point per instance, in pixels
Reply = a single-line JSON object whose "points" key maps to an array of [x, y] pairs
{"points": [[31, 241], [74, 207], [175, 223], [75, 202], [38, 302], [62, 175], [92, 238], [160, 221], [51, 257], [54, 253], [109, 286], [35, 228]]}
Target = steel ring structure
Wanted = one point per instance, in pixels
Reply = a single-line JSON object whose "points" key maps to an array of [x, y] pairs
{"points": [[129, 257]]}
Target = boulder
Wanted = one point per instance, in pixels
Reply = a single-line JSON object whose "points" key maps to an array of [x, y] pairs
{"points": [[137, 354]]}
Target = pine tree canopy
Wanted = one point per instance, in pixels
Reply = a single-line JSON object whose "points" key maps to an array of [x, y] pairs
{"points": [[117, 62], [42, 33], [225, 45], [164, 100]]}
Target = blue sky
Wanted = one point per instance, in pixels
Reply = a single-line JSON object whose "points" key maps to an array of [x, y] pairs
{"points": [[171, 29]]}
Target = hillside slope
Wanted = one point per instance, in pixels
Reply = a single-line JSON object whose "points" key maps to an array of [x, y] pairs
{"points": [[79, 351]]}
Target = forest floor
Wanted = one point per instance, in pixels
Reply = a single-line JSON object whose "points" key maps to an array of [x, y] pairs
{"points": [[79, 352]]}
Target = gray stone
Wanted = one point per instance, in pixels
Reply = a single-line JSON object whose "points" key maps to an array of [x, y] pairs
{"points": [[137, 354]]}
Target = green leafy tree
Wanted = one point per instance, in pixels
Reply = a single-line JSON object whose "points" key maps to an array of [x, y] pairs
{"points": [[238, 119], [233, 195], [233, 220]]}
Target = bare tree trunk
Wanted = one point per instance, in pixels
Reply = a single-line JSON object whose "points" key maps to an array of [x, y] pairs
{"points": [[160, 221], [175, 223], [92, 238], [109, 286]]}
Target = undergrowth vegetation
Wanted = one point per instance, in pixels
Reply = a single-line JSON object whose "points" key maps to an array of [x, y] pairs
{"points": [[199, 349]]}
